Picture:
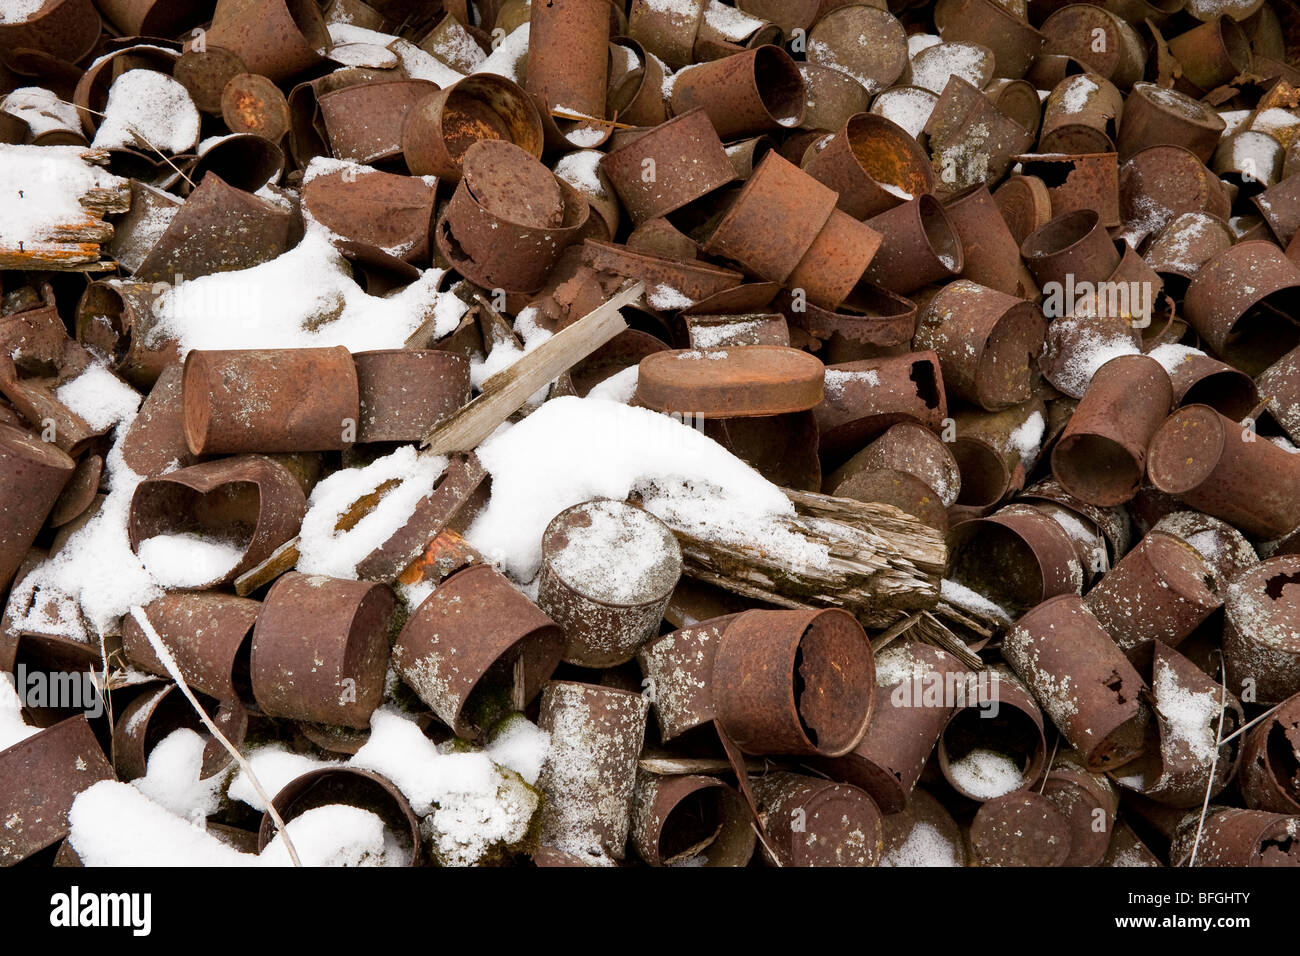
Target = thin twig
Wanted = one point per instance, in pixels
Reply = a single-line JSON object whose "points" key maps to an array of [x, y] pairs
{"points": [[1056, 745], [1214, 764], [578, 117], [138, 135], [169, 662], [1245, 727]]}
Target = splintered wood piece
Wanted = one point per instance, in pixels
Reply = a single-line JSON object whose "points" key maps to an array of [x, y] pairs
{"points": [[506, 392]]}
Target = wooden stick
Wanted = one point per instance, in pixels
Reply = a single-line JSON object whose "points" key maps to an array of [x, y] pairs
{"points": [[506, 392], [173, 669]]}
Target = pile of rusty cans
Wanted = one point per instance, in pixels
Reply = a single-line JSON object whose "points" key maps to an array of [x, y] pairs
{"points": [[1024, 274]]}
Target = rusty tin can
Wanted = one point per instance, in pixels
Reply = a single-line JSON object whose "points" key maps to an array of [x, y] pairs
{"points": [[1220, 467], [1162, 591], [689, 821], [476, 648], [873, 164], [1188, 765], [796, 682], [990, 252], [33, 474], [320, 649], [404, 393], [1261, 646], [813, 822], [912, 682], [1100, 458], [987, 343], [270, 400], [443, 125], [353, 787], [678, 669], [279, 39], [608, 570], [920, 246], [980, 742], [1083, 681], [208, 635], [1270, 762], [39, 779], [1154, 115], [509, 219], [1236, 301], [589, 777], [1020, 829]]}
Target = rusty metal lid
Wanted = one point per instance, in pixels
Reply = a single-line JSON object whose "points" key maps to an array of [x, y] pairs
{"points": [[736, 382]]}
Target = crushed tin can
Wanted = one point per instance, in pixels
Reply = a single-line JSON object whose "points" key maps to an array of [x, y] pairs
{"points": [[1080, 115], [279, 39], [509, 219], [250, 502], [379, 209], [1211, 54], [1003, 29], [863, 398], [909, 467], [155, 439], [1188, 765], [971, 140], [678, 669], [219, 229]]}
